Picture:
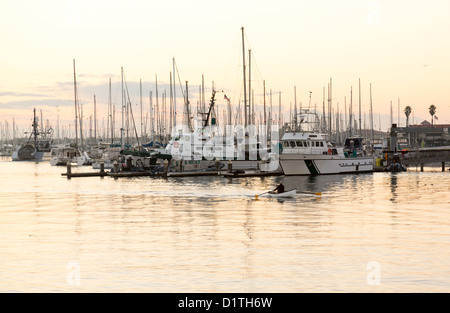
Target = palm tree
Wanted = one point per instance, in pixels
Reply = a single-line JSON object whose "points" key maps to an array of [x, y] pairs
{"points": [[432, 111], [408, 111]]}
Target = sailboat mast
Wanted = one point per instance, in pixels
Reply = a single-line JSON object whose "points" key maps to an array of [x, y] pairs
{"points": [[110, 117], [245, 85], [158, 119], [265, 115], [280, 123], [34, 128], [151, 117], [351, 110], [295, 109], [324, 120], [95, 119], [371, 115], [250, 116], [330, 89], [76, 107], [80, 107], [174, 95], [187, 109], [172, 112], [203, 105], [122, 128], [140, 98], [360, 107]]}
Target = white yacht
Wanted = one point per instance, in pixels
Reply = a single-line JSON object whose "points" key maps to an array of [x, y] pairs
{"points": [[309, 154], [200, 149], [71, 154]]}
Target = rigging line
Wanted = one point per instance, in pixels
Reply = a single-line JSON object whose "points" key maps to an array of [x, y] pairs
{"points": [[131, 110], [254, 61], [179, 81], [233, 54], [257, 68]]}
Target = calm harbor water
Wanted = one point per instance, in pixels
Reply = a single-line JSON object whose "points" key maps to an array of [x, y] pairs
{"points": [[376, 232]]}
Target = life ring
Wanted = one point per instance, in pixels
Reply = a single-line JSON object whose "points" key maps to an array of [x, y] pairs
{"points": [[330, 152], [176, 144]]}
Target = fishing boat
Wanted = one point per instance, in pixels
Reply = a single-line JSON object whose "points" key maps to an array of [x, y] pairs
{"points": [[194, 151], [70, 154], [38, 145], [200, 145], [308, 153]]}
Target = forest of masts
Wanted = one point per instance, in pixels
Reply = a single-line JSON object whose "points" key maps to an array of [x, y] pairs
{"points": [[156, 118], [137, 125]]}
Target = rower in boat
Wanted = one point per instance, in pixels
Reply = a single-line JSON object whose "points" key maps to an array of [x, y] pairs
{"points": [[279, 189]]}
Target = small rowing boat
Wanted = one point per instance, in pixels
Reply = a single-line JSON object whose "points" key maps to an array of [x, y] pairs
{"points": [[286, 194]]}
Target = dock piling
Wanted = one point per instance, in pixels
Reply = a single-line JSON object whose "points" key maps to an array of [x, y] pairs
{"points": [[69, 169], [166, 166], [217, 164], [230, 166]]}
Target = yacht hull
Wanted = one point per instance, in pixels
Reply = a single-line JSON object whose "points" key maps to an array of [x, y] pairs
{"points": [[295, 164]]}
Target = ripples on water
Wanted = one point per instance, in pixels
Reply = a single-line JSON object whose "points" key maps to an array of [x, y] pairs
{"points": [[209, 234]]}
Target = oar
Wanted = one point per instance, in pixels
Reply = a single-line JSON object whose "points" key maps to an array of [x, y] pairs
{"points": [[256, 196], [311, 193]]}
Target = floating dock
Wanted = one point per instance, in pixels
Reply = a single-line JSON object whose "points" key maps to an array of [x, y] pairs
{"points": [[238, 174], [234, 174], [174, 174]]}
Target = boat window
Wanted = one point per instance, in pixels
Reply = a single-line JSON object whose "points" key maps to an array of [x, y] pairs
{"points": [[321, 143], [286, 144], [299, 144], [317, 144], [292, 144]]}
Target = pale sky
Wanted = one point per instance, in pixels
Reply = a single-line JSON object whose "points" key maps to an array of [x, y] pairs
{"points": [[401, 47]]}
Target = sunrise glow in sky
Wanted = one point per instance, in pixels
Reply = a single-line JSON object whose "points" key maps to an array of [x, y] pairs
{"points": [[400, 47]]}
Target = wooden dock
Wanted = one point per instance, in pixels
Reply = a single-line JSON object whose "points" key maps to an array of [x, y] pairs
{"points": [[121, 174], [420, 157], [252, 174], [88, 174]]}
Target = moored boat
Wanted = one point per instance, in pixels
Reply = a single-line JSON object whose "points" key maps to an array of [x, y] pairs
{"points": [[309, 154], [70, 154], [37, 149]]}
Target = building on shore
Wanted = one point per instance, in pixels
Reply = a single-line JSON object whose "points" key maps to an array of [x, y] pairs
{"points": [[423, 135]]}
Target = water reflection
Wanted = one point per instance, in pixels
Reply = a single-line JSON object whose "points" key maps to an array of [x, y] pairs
{"points": [[211, 235], [393, 184]]}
